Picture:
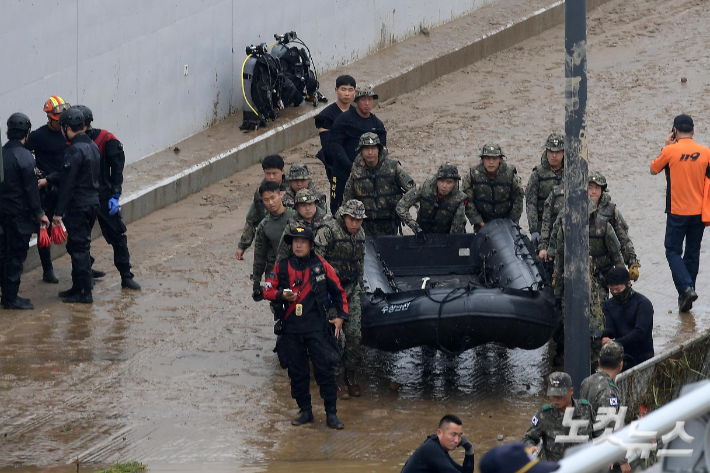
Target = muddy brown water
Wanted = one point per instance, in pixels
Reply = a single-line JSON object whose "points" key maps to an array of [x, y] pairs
{"points": [[181, 375]]}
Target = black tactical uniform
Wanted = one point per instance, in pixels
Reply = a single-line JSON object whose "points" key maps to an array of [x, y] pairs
{"points": [[79, 203], [324, 120], [20, 209]]}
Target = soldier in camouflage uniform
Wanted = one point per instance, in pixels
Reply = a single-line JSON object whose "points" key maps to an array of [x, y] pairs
{"points": [[379, 183], [342, 244], [299, 177], [442, 206], [309, 214], [493, 189], [268, 234], [547, 422], [609, 210], [554, 205], [543, 179], [273, 167]]}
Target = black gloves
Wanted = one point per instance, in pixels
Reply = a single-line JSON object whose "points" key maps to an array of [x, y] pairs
{"points": [[421, 237], [257, 293], [467, 446]]}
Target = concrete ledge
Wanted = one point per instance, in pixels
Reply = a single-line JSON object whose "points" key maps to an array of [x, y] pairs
{"points": [[172, 189]]}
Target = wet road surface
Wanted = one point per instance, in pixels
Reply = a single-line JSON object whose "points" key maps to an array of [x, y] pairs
{"points": [[181, 375]]}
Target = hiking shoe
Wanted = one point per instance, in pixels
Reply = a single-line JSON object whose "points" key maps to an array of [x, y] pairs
{"points": [[343, 391], [332, 421], [685, 301], [304, 417]]}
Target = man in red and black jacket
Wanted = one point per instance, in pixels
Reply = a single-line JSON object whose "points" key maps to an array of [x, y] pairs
{"points": [[299, 287]]}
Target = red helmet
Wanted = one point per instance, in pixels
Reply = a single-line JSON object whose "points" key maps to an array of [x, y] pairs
{"points": [[55, 106]]}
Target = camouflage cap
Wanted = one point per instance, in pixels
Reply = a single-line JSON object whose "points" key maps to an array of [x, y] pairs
{"points": [[369, 139], [298, 232], [491, 149], [306, 196], [612, 352], [367, 91], [559, 384], [298, 170], [597, 178], [354, 208], [555, 142], [448, 171]]}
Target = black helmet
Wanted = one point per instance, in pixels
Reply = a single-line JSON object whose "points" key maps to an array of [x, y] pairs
{"points": [[71, 117], [301, 231], [88, 114], [19, 121]]}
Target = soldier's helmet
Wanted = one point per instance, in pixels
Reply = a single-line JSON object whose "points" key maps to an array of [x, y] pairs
{"points": [[354, 208], [306, 196], [612, 352], [367, 91], [448, 171], [298, 170], [491, 149], [598, 178], [555, 142], [298, 232], [369, 139], [559, 384]]}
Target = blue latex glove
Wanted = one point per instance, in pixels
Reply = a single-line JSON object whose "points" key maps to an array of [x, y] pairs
{"points": [[113, 207]]}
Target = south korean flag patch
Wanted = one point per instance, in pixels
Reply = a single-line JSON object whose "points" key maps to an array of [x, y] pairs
{"points": [[535, 420], [613, 401]]}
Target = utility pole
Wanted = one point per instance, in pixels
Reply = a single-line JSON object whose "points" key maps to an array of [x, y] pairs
{"points": [[2, 169], [576, 221]]}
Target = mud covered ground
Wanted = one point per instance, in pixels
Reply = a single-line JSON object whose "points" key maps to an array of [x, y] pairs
{"points": [[182, 376]]}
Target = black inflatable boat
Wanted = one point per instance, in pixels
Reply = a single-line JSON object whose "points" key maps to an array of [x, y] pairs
{"points": [[456, 292]]}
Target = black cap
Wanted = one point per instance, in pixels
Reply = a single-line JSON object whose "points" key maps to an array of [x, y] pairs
{"points": [[683, 123], [514, 458]]}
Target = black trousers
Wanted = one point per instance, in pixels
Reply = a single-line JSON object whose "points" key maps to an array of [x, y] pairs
{"points": [[79, 223], [337, 188], [48, 198], [294, 350], [114, 231], [15, 233]]}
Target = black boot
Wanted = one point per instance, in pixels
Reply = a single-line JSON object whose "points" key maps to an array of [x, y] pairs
{"points": [[332, 421], [72, 291], [16, 303], [685, 300], [129, 283], [97, 274], [80, 298], [49, 276], [304, 417]]}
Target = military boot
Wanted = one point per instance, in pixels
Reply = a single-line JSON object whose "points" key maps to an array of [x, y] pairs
{"points": [[16, 303], [353, 386], [72, 291], [305, 416], [49, 276], [80, 298], [343, 391], [129, 283], [333, 422], [685, 300]]}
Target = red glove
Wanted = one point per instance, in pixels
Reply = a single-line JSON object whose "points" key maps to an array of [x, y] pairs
{"points": [[59, 236], [43, 238]]}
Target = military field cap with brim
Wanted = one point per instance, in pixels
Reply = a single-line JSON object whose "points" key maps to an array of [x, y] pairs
{"points": [[298, 170], [448, 171], [491, 149], [299, 232], [558, 384], [354, 208], [597, 178], [365, 92], [369, 139], [682, 121], [514, 458], [555, 142], [306, 196], [612, 352]]}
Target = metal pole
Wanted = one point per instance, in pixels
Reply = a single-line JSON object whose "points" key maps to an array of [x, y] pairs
{"points": [[576, 222], [2, 169]]}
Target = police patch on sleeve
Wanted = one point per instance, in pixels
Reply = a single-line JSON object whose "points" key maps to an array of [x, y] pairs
{"points": [[535, 420], [272, 275], [613, 401]]}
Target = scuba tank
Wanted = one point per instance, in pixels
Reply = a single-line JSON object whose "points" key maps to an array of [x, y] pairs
{"points": [[301, 78], [262, 83]]}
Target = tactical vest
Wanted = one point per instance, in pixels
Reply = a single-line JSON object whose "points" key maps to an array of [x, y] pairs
{"points": [[607, 210], [500, 189], [436, 214], [547, 179], [377, 190], [319, 288], [601, 260], [347, 251]]}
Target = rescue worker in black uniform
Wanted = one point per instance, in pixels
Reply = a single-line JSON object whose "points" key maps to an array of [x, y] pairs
{"points": [[48, 144], [78, 202], [20, 208], [110, 181], [299, 287], [345, 92]]}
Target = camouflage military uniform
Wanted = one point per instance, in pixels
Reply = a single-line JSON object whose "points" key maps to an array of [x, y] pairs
{"points": [[320, 219], [601, 390], [546, 424], [554, 206], [436, 214], [542, 180], [266, 241], [378, 188], [346, 253], [610, 211], [299, 170], [489, 199], [256, 213]]}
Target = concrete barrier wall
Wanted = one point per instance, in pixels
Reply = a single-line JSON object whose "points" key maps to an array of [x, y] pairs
{"points": [[155, 72]]}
